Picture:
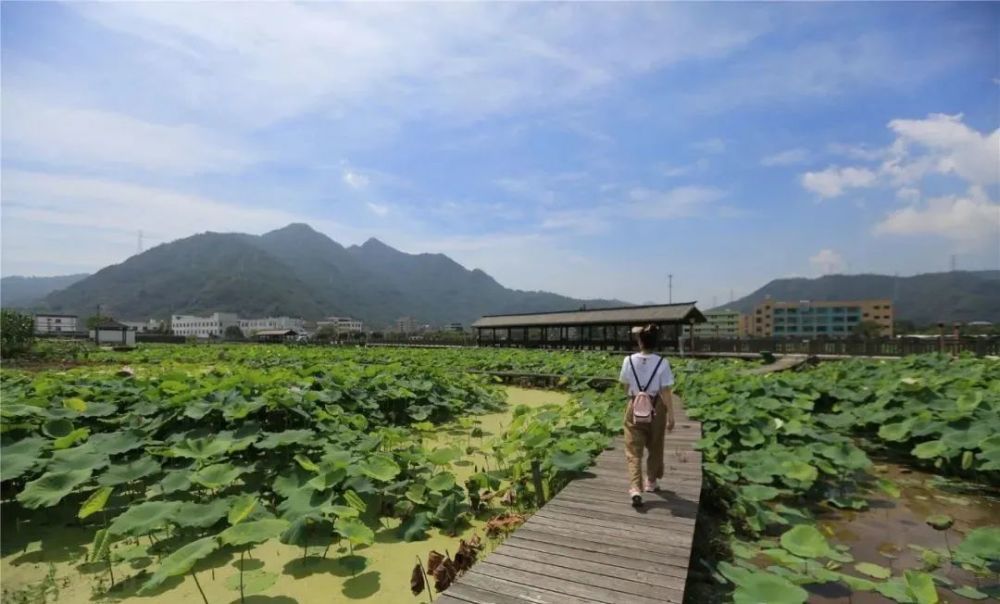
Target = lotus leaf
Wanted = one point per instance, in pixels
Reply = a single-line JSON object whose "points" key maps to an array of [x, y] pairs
{"points": [[380, 467], [176, 480], [297, 533], [101, 546], [95, 503], [49, 490], [241, 507], [856, 583], [217, 475], [57, 428], [572, 462], [444, 455], [896, 432], [21, 456], [128, 472], [895, 590], [143, 518], [200, 448], [921, 587], [971, 593], [273, 440], [805, 541], [114, 443], [180, 562], [75, 404], [71, 439], [982, 542], [759, 492], [415, 527], [200, 515], [417, 493], [940, 521], [799, 470], [253, 582], [354, 531], [873, 570], [343, 511], [929, 449], [304, 502], [253, 531], [441, 482], [355, 501], [77, 458], [760, 587], [306, 464]]}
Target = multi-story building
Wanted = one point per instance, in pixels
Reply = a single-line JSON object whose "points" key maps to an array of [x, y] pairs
{"points": [[724, 323], [456, 327], [343, 325], [47, 323], [252, 326], [213, 325], [406, 325], [819, 319]]}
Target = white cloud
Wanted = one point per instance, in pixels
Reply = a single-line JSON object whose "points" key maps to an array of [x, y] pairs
{"points": [[860, 152], [674, 171], [970, 218], [950, 147], [710, 145], [908, 193], [786, 158], [827, 262], [270, 61], [354, 179], [680, 202], [832, 181], [378, 209], [73, 137]]}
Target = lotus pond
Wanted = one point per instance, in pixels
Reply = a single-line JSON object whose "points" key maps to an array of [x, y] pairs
{"points": [[287, 474]]}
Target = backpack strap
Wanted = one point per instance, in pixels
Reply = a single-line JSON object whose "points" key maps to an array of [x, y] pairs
{"points": [[651, 378]]}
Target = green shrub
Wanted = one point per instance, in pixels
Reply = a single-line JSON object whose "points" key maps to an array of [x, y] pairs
{"points": [[17, 332]]}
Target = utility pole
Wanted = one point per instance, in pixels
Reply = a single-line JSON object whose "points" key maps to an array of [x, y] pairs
{"points": [[670, 288], [953, 263], [731, 295], [139, 243]]}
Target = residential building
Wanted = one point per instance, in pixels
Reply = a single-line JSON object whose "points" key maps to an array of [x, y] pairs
{"points": [[457, 327], [724, 323], [213, 325], [343, 325], [406, 325], [276, 335], [47, 323], [252, 326], [812, 319]]}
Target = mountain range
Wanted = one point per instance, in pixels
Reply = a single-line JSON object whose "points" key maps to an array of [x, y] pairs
{"points": [[296, 271], [923, 299]]}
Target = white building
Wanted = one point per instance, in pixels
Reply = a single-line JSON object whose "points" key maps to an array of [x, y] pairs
{"points": [[55, 323], [252, 326], [152, 325], [213, 325], [343, 325]]}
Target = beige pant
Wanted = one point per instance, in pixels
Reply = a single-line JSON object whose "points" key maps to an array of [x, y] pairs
{"points": [[649, 437]]}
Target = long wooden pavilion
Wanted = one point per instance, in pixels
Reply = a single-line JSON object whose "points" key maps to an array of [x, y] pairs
{"points": [[599, 328]]}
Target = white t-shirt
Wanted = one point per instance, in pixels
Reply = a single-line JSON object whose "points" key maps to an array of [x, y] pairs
{"points": [[644, 365]]}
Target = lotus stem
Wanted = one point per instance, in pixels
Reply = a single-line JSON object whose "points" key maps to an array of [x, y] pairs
{"points": [[242, 597], [111, 570], [427, 581], [198, 585]]}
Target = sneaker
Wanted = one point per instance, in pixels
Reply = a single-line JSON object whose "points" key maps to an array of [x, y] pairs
{"points": [[652, 487], [636, 495]]}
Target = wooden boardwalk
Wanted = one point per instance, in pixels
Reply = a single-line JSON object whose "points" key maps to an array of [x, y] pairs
{"points": [[588, 545]]}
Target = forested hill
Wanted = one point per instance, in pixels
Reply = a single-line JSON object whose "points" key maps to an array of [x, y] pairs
{"points": [[924, 299], [26, 291], [297, 271]]}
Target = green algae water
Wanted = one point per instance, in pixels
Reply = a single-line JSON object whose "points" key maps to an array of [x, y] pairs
{"points": [[43, 553]]}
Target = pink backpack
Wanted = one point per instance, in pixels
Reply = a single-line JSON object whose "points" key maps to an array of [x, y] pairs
{"points": [[643, 404]]}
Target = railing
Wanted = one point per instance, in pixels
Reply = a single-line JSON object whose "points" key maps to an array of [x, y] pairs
{"points": [[890, 347]]}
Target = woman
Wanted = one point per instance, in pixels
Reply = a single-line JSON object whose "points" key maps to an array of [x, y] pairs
{"points": [[648, 382]]}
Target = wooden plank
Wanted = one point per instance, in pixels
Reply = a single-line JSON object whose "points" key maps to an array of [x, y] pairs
{"points": [[575, 563], [527, 593], [574, 583], [620, 557], [668, 542], [637, 522], [635, 553], [689, 490], [672, 509], [661, 548]]}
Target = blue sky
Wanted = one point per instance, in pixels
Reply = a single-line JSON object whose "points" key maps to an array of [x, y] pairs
{"points": [[588, 149]]}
